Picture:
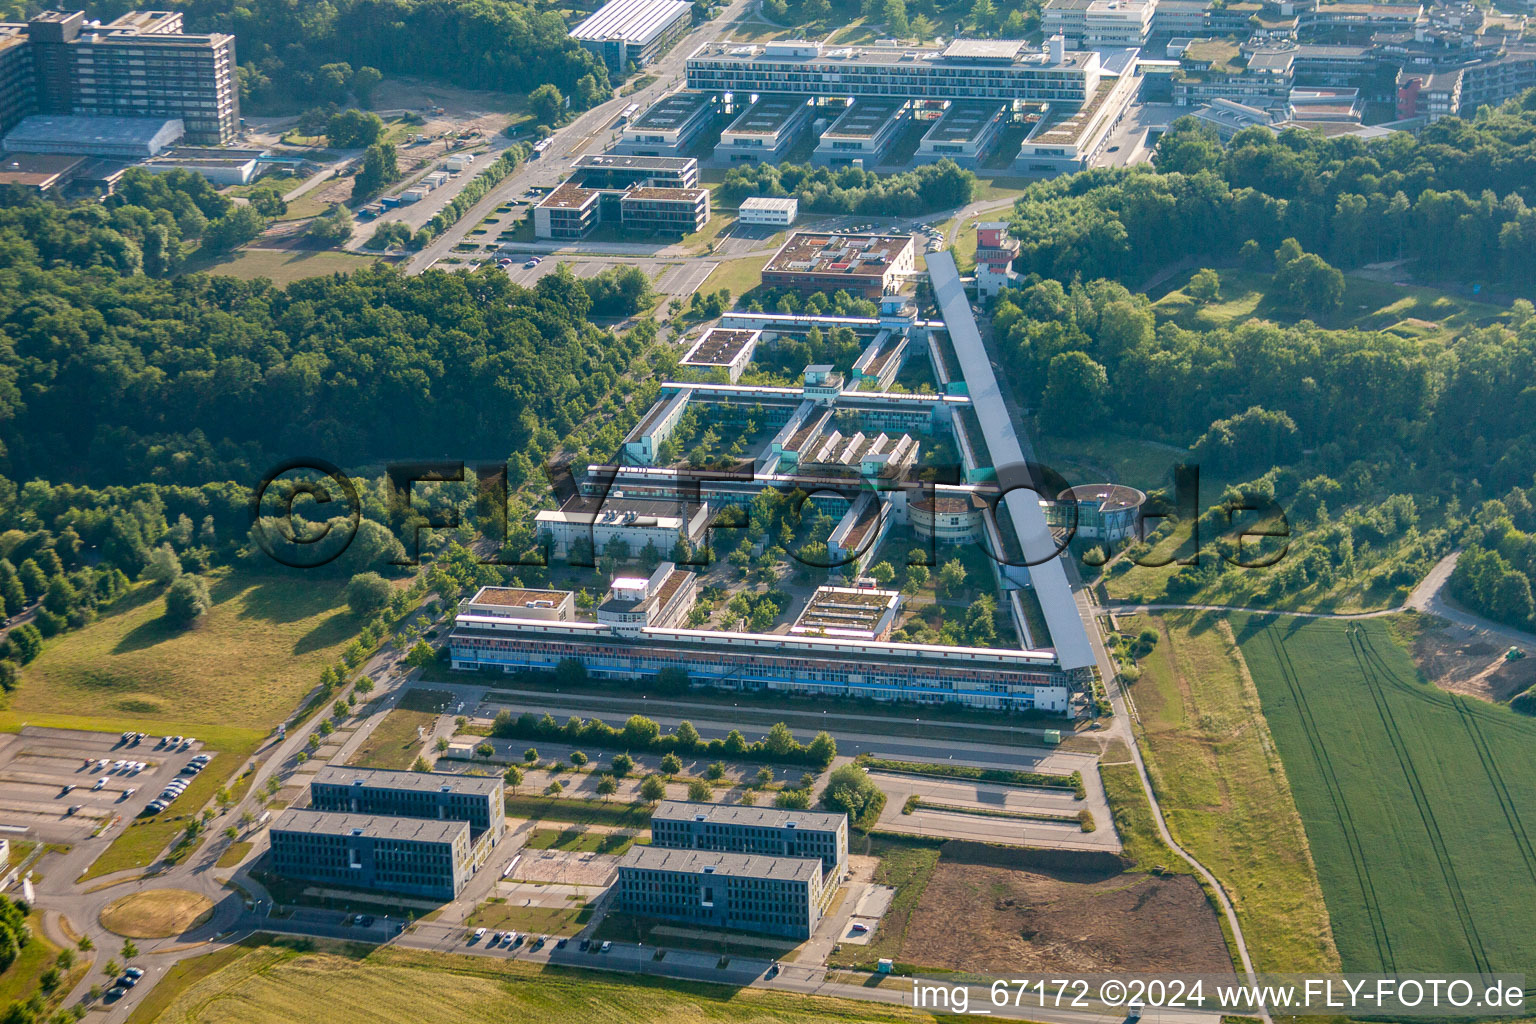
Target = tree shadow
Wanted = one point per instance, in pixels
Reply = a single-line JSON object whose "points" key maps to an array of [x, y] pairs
{"points": [[337, 629], [147, 634]]}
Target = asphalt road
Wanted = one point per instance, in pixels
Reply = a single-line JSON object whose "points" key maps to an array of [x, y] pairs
{"points": [[586, 134]]}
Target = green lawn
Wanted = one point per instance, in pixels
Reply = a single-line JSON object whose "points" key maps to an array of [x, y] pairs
{"points": [[274, 985], [1415, 801], [244, 666], [19, 981], [575, 840], [500, 915], [578, 811], [279, 266], [393, 743], [1410, 312], [1225, 791]]}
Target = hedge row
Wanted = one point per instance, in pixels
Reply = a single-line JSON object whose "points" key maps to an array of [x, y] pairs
{"points": [[641, 733], [1001, 776]]}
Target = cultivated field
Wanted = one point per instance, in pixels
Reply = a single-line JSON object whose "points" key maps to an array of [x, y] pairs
{"points": [[278, 986], [1418, 803], [247, 664], [1224, 789]]}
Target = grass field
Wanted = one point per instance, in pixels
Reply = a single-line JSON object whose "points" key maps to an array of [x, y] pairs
{"points": [[156, 913], [1225, 792], [1368, 304], [578, 811], [906, 865], [245, 665], [19, 981], [272, 985], [500, 916], [1415, 801], [574, 840], [233, 854], [281, 267], [394, 743]]}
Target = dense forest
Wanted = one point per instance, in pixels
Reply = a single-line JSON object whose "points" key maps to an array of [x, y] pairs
{"points": [[289, 50], [1457, 199], [109, 375], [939, 186]]}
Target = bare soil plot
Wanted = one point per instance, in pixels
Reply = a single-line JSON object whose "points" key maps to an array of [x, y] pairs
{"points": [[1022, 913], [1464, 661]]}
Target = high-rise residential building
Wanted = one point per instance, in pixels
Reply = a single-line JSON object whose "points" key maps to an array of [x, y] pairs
{"points": [[139, 65]]}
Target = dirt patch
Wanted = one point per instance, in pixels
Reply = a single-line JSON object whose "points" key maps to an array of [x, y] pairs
{"points": [[563, 868], [1030, 916], [156, 913], [1461, 660]]}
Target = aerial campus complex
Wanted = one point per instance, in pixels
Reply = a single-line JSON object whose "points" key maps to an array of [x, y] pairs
{"points": [[852, 449]]}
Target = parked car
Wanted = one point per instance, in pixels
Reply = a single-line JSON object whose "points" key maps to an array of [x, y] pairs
{"points": [[68, 787], [607, 945], [134, 973], [101, 783], [478, 935], [127, 793], [73, 809]]}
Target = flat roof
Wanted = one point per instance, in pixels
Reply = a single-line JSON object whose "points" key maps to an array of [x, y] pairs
{"points": [[421, 782], [846, 608], [1394, 11], [739, 814], [372, 826], [584, 504], [676, 195], [898, 57], [673, 111], [613, 161], [38, 170], [964, 121], [91, 130], [568, 197], [783, 204], [984, 49], [517, 597], [1047, 574], [768, 115], [819, 252], [719, 346], [866, 118], [633, 21], [1108, 496], [729, 865]]}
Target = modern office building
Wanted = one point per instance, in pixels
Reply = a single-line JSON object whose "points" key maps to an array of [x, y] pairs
{"points": [[634, 523], [625, 32], [407, 856], [1212, 69], [641, 194], [722, 348], [862, 613], [1001, 69], [768, 831], [765, 131], [948, 519], [1109, 512], [141, 65], [966, 133], [616, 171], [470, 798], [661, 600], [119, 138], [867, 266], [568, 212], [862, 134], [663, 211], [770, 895], [668, 126], [769, 211], [516, 602]]}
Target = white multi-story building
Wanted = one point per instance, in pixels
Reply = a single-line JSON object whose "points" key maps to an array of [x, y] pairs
{"points": [[770, 211]]}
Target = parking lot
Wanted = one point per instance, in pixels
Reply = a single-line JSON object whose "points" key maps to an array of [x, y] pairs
{"points": [[44, 773], [981, 812]]}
